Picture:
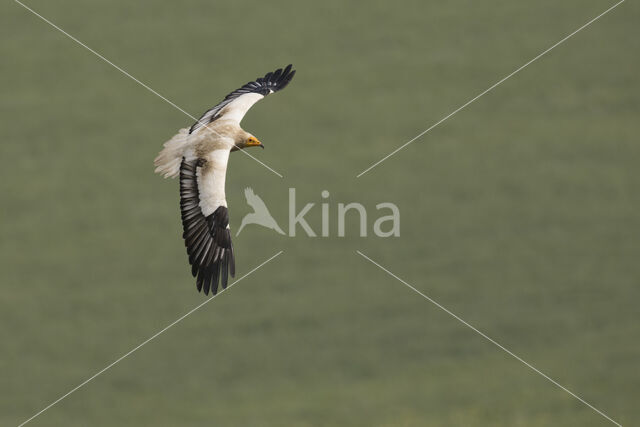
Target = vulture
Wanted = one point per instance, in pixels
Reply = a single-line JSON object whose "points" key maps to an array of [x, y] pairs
{"points": [[199, 156]]}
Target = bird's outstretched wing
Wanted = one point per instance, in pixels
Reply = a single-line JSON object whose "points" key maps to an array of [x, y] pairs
{"points": [[237, 103], [255, 201], [207, 238]]}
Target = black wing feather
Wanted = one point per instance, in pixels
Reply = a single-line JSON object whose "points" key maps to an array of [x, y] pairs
{"points": [[271, 82], [208, 240]]}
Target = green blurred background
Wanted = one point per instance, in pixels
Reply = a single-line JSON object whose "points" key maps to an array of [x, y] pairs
{"points": [[520, 214]]}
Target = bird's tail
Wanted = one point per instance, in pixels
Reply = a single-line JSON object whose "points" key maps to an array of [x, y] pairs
{"points": [[168, 161], [277, 227], [241, 226]]}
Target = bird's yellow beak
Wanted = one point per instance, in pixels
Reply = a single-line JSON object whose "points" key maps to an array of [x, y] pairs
{"points": [[253, 142]]}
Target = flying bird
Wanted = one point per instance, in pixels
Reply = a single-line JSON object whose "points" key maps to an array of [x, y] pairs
{"points": [[199, 155], [260, 214]]}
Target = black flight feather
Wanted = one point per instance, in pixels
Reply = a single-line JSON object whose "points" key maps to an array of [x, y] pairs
{"points": [[271, 82], [208, 240]]}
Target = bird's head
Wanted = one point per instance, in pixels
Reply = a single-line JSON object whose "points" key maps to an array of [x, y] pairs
{"points": [[248, 141]]}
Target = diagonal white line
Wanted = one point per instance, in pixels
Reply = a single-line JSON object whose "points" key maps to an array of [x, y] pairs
{"points": [[132, 77], [488, 338], [127, 354], [489, 89]]}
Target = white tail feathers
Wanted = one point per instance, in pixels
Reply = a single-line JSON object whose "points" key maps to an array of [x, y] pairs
{"points": [[168, 161]]}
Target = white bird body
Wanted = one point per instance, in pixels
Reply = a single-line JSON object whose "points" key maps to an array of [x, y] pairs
{"points": [[200, 155]]}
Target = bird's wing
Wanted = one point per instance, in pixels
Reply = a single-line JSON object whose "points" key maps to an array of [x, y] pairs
{"points": [[248, 193], [255, 201], [235, 105], [207, 237]]}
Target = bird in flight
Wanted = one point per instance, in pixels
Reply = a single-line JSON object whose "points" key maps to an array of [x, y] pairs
{"points": [[199, 155], [260, 214]]}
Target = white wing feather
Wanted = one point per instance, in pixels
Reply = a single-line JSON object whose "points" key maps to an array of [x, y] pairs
{"points": [[237, 108], [211, 181]]}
